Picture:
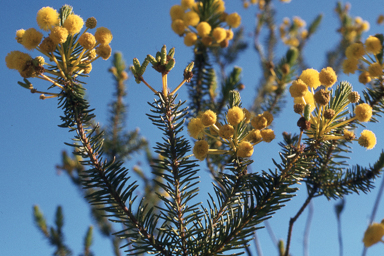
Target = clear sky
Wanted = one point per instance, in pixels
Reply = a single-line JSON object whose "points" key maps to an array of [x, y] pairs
{"points": [[32, 141]]}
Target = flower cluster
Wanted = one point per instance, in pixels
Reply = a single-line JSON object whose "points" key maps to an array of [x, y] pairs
{"points": [[235, 134], [206, 23], [327, 121], [374, 234], [365, 53], [354, 29], [260, 3], [71, 52], [293, 33]]}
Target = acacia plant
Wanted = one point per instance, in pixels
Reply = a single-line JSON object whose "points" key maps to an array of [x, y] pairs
{"points": [[173, 221]]}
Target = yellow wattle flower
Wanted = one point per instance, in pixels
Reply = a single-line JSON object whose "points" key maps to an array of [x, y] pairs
{"points": [[203, 29], [47, 18], [87, 40], [298, 88], [74, 23], [233, 20], [103, 35], [327, 77], [373, 234], [373, 45], [176, 12], [208, 118], [235, 115], [31, 38], [310, 77], [245, 149], [363, 112], [190, 39], [200, 150], [59, 35]]}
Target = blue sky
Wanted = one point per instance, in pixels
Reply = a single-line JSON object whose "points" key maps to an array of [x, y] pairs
{"points": [[32, 142]]}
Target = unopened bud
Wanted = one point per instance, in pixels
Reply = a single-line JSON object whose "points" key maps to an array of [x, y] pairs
{"points": [[298, 108], [354, 97], [322, 97], [91, 23], [329, 113]]}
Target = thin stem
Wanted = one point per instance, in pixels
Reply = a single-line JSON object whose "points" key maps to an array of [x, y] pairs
{"points": [[257, 245], [307, 229]]}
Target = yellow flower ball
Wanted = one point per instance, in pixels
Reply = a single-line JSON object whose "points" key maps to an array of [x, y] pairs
{"points": [[364, 77], [103, 35], [88, 68], [176, 12], [58, 35], [235, 115], [190, 39], [47, 18], [226, 131], [178, 26], [219, 34], [310, 77], [200, 150], [191, 18], [363, 112], [245, 149], [233, 20], [259, 122], [348, 135], [298, 88], [220, 6], [104, 51], [74, 23], [373, 234], [367, 139], [17, 60], [268, 135], [208, 118], [254, 136], [327, 77], [87, 40], [375, 69], [47, 45], [229, 34], [195, 127], [350, 66], [355, 51], [292, 42], [373, 45], [269, 117], [365, 26], [203, 29], [19, 35], [31, 38]]}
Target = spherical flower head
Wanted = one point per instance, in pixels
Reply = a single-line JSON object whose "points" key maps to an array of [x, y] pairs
{"points": [[350, 66], [233, 20], [91, 22], [268, 135], [364, 77], [19, 35], [92, 54], [375, 69], [200, 150], [373, 234], [17, 60], [195, 127], [348, 135], [367, 139], [219, 34], [220, 6], [363, 112], [229, 34], [355, 51], [310, 77], [176, 12], [178, 26], [47, 18], [254, 136], [103, 35], [327, 77], [298, 88], [31, 38], [47, 45], [88, 68], [365, 26], [104, 51], [191, 18], [226, 131], [74, 23], [208, 118], [58, 35], [187, 4], [87, 40], [203, 29], [190, 39], [235, 115], [245, 149], [259, 122], [373, 45]]}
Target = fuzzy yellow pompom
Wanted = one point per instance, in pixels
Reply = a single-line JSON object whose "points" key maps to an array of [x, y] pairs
{"points": [[364, 77], [47, 45], [187, 4], [235, 115], [191, 18], [327, 77], [208, 118], [268, 135], [373, 234], [31, 38], [19, 35], [226, 131], [190, 39], [200, 150], [367, 139], [87, 40], [178, 26], [373, 45], [176, 12], [254, 136], [195, 127], [74, 23], [348, 135], [17, 60], [268, 116], [104, 51], [355, 51], [259, 122], [363, 112], [298, 88], [229, 34], [47, 18], [365, 26], [203, 29], [375, 69], [219, 34], [103, 35], [220, 6], [59, 35], [310, 77], [245, 149], [350, 66], [233, 20]]}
